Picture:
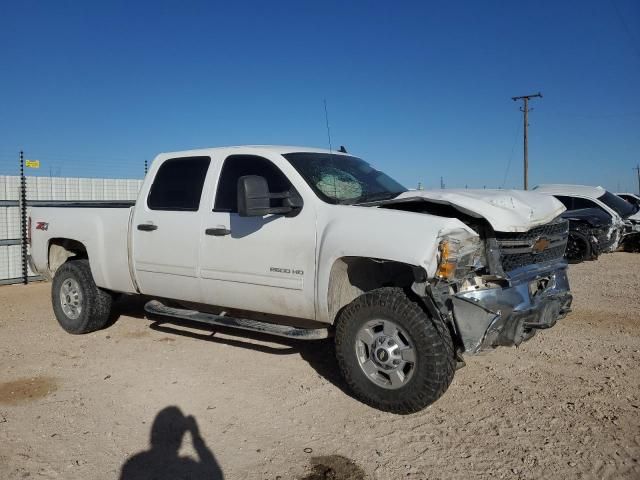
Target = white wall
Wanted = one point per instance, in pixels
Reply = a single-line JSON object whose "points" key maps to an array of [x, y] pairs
{"points": [[51, 188]]}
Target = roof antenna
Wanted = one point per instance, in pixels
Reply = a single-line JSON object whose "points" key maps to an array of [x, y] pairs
{"points": [[326, 119], [344, 150]]}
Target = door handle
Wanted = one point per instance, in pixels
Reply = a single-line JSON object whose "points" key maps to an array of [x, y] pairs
{"points": [[147, 227], [218, 231]]}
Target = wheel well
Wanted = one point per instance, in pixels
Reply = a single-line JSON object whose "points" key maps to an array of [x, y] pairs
{"points": [[61, 249], [350, 277], [577, 234]]}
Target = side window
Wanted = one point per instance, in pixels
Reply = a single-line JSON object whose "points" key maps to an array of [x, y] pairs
{"points": [[584, 203], [566, 201], [178, 184], [236, 166]]}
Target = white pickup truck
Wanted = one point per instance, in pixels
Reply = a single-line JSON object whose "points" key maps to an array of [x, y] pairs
{"points": [[309, 243]]}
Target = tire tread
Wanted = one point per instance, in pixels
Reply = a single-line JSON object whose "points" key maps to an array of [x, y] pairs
{"points": [[96, 312], [430, 335]]}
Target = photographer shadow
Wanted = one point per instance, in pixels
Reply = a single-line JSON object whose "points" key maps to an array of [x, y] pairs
{"points": [[162, 461]]}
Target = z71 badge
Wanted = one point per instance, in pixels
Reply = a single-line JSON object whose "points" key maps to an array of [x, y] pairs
{"points": [[42, 226]]}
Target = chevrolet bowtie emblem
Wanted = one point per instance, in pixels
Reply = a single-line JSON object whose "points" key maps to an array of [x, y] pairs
{"points": [[540, 245]]}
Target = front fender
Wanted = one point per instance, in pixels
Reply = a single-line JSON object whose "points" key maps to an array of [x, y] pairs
{"points": [[370, 232]]}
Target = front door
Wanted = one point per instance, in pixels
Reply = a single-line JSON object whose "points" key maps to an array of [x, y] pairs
{"points": [[263, 264]]}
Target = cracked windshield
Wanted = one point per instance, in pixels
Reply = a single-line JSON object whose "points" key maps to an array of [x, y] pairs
{"points": [[342, 179]]}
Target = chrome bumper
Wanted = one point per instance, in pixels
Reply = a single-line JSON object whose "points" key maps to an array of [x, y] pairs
{"points": [[535, 298]]}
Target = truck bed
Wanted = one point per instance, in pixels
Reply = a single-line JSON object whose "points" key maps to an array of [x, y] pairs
{"points": [[102, 227]]}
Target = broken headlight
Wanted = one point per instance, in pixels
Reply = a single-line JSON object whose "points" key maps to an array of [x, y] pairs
{"points": [[458, 259]]}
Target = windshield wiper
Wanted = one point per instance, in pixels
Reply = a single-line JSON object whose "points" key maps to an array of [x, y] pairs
{"points": [[377, 197]]}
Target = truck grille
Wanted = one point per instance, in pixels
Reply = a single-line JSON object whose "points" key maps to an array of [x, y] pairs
{"points": [[538, 245]]}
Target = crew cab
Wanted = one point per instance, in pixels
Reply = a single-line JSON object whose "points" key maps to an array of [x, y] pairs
{"points": [[310, 243]]}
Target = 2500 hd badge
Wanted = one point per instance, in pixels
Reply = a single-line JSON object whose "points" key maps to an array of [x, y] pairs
{"points": [[294, 271]]}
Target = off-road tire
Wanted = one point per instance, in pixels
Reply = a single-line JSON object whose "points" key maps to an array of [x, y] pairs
{"points": [[435, 355], [96, 303]]}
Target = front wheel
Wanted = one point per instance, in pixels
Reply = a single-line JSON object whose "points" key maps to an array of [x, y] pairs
{"points": [[392, 354], [579, 248], [79, 305]]}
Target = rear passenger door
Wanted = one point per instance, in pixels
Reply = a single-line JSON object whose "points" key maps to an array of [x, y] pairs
{"points": [[166, 229]]}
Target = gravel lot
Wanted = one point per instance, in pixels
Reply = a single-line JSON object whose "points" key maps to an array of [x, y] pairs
{"points": [[564, 405]]}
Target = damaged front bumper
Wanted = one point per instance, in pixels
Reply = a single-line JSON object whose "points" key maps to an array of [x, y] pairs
{"points": [[534, 298]]}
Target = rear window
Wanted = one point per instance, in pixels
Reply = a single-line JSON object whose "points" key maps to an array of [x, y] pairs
{"points": [[631, 199], [178, 184], [622, 208]]}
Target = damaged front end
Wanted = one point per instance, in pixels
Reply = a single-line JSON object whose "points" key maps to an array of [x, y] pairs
{"points": [[591, 232], [500, 288], [631, 235], [504, 277]]}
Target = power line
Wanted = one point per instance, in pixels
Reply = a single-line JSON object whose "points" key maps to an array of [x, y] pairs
{"points": [[513, 148], [599, 115], [634, 47]]}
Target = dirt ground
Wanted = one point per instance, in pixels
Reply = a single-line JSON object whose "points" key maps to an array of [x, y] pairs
{"points": [[564, 405]]}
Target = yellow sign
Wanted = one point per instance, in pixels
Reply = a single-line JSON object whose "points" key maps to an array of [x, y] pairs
{"points": [[32, 163]]}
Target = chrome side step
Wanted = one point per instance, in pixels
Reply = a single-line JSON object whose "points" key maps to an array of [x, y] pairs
{"points": [[155, 307]]}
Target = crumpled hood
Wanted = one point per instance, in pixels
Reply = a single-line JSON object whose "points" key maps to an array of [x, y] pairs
{"points": [[505, 210]]}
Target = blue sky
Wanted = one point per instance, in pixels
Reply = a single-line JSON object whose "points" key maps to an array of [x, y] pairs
{"points": [[419, 89]]}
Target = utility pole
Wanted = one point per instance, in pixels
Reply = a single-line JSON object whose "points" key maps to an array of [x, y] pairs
{"points": [[637, 169], [526, 109]]}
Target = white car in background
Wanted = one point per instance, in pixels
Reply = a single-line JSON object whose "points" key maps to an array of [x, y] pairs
{"points": [[632, 198], [625, 216]]}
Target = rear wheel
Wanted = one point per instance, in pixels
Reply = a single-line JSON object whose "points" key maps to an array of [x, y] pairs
{"points": [[392, 354], [79, 305]]}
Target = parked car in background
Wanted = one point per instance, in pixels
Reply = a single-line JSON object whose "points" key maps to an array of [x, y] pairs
{"points": [[308, 243], [631, 243], [590, 233], [625, 217], [632, 198]]}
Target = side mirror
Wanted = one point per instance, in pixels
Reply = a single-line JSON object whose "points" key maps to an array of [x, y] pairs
{"points": [[254, 198]]}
